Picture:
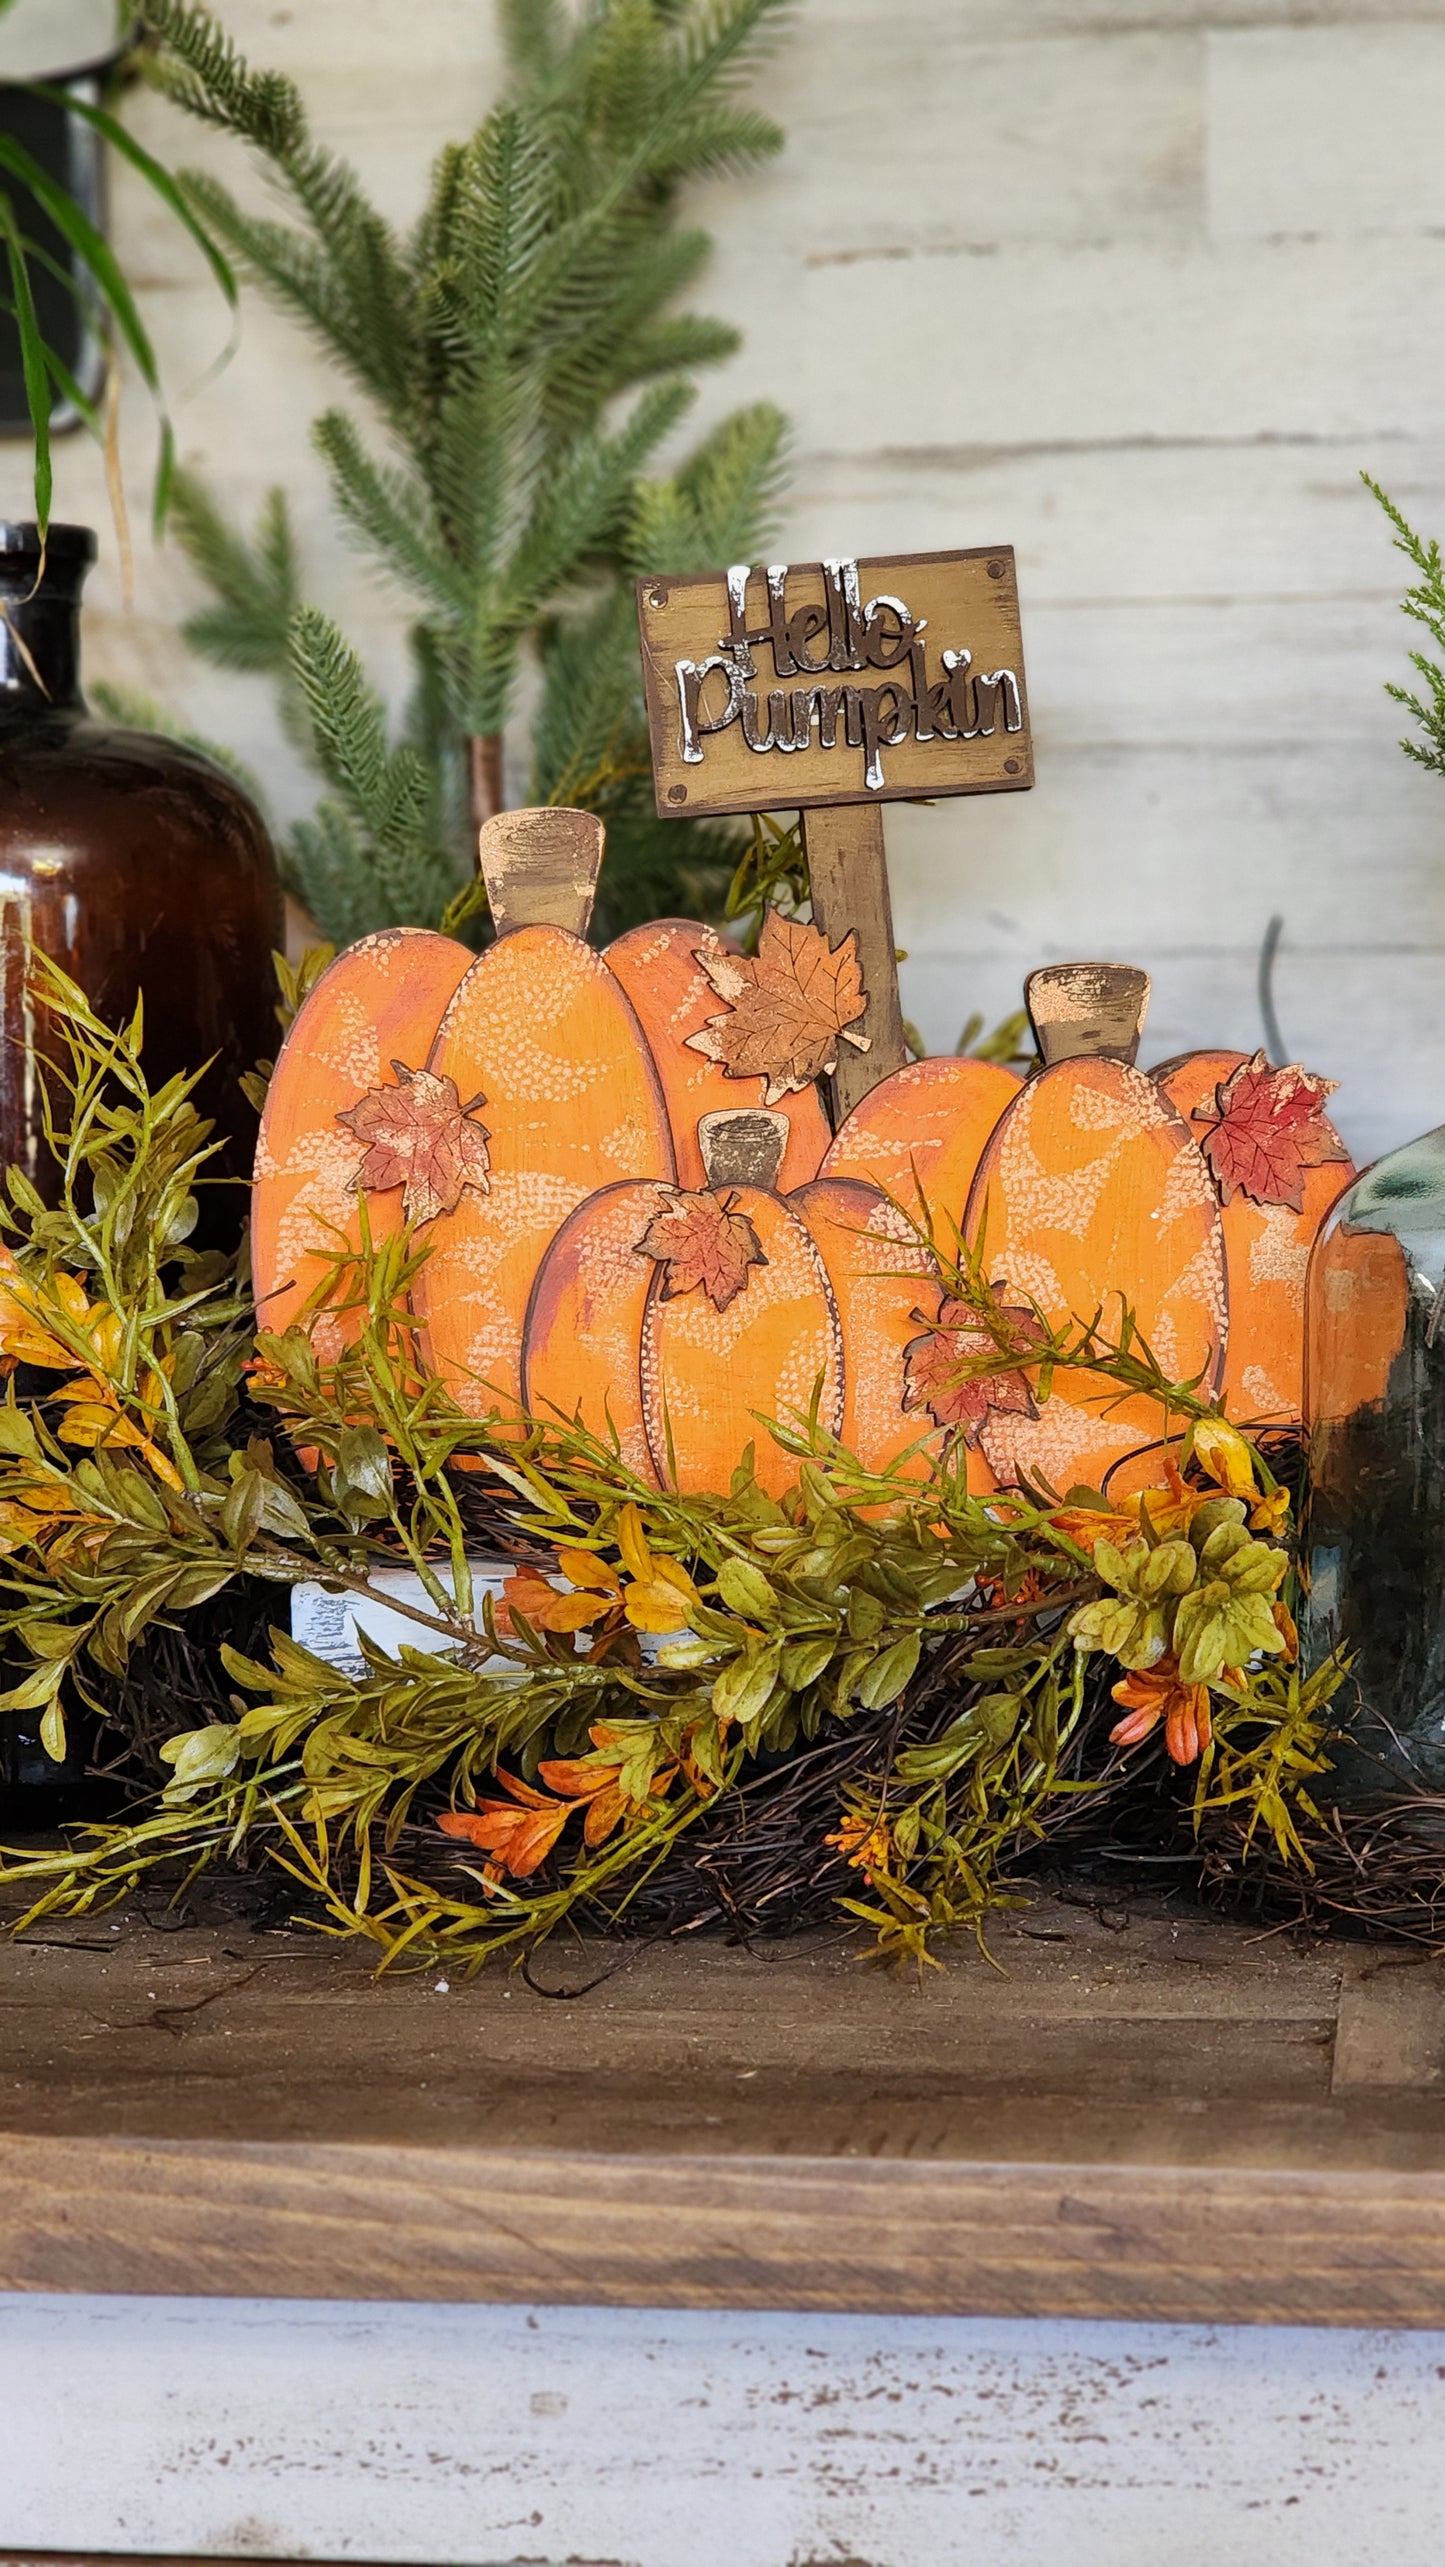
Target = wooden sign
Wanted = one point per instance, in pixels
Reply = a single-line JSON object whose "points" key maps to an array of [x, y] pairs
{"points": [[830, 688], [789, 687]]}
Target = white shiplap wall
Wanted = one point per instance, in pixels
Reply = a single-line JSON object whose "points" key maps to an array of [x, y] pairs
{"points": [[1139, 285]]}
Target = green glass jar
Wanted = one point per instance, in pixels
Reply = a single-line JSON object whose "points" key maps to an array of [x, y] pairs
{"points": [[1374, 1523]]}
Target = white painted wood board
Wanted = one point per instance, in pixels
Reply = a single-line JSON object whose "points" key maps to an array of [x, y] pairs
{"points": [[650, 2439]]}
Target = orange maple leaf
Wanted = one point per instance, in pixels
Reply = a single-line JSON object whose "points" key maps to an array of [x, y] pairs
{"points": [[789, 1006], [938, 1372], [1268, 1128], [701, 1240], [419, 1135], [1154, 1694]]}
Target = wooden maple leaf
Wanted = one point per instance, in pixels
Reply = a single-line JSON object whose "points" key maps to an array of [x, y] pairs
{"points": [[789, 1006], [1269, 1128], [700, 1239], [939, 1375], [420, 1135]]}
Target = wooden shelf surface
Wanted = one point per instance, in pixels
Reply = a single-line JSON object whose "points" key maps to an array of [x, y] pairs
{"points": [[1163, 2118]]}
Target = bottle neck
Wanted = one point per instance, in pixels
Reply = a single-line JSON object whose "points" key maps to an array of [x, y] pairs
{"points": [[40, 619], [39, 656]]}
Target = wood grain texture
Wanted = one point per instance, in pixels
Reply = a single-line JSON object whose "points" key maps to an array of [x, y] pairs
{"points": [[848, 878], [540, 867], [1159, 2118], [1279, 2248]]}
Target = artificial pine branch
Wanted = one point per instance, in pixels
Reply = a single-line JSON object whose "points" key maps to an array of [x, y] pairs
{"points": [[525, 359], [1424, 604]]}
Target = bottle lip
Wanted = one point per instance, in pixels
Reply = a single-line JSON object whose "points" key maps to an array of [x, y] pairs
{"points": [[20, 541]]}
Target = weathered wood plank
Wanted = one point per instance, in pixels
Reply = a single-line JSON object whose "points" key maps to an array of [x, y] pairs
{"points": [[1139, 2122], [356, 2223]]}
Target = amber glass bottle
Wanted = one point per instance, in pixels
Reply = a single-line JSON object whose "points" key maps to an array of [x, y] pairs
{"points": [[137, 864]]}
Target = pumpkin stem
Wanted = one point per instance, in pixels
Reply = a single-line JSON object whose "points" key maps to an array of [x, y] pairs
{"points": [[1084, 1010], [743, 1146], [540, 868]]}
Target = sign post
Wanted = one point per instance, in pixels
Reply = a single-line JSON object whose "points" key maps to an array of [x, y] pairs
{"points": [[862, 682]]}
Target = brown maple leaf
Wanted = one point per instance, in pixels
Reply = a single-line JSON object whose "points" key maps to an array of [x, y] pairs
{"points": [[939, 1367], [420, 1135], [789, 1006], [1269, 1128], [700, 1239]]}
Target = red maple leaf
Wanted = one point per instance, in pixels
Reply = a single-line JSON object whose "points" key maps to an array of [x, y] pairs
{"points": [[942, 1368], [420, 1135], [700, 1239], [790, 1005], [1270, 1127]]}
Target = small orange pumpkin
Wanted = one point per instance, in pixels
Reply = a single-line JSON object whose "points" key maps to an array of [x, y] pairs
{"points": [[884, 1282], [679, 1320], [741, 1326]]}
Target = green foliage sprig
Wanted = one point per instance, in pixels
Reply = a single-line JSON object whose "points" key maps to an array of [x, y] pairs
{"points": [[1424, 603]]}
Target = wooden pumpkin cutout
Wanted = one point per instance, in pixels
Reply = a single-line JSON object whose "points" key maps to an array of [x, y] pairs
{"points": [[1358, 1316], [582, 1340], [741, 1325], [1091, 1192], [661, 967], [376, 1007], [542, 1031], [1278, 1164], [885, 1285], [919, 1136]]}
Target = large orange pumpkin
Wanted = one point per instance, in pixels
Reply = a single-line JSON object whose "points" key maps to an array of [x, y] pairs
{"points": [[541, 1031]]}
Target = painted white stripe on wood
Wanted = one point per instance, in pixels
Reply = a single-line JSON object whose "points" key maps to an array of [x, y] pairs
{"points": [[682, 2440]]}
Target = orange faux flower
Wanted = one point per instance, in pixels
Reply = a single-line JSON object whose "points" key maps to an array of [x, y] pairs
{"points": [[865, 1841], [518, 1833], [1155, 1693]]}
